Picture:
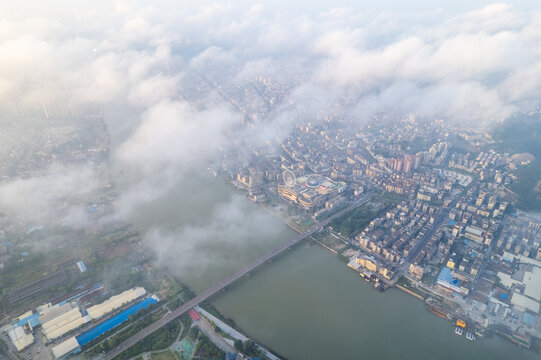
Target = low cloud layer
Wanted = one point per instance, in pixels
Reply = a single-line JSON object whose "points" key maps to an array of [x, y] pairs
{"points": [[47, 198], [173, 140], [165, 73], [232, 230], [486, 62]]}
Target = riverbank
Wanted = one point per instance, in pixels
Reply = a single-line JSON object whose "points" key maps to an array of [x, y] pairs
{"points": [[229, 327], [304, 306], [233, 332], [434, 303]]}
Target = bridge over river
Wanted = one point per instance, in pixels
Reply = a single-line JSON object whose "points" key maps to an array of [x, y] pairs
{"points": [[226, 282]]}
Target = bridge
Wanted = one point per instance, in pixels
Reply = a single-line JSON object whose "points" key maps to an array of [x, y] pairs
{"points": [[226, 282]]}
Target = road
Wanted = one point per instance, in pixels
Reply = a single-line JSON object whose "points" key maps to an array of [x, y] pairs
{"points": [[216, 338], [234, 333], [442, 216], [480, 272], [5, 355], [227, 281]]}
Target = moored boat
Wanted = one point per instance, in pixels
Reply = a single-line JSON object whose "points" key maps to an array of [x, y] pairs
{"points": [[439, 312]]}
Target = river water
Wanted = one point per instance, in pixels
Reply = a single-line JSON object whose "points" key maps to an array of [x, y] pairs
{"points": [[306, 304], [309, 305]]}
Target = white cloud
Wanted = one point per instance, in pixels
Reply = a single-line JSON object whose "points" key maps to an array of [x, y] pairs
{"points": [[475, 67], [208, 246], [45, 198], [173, 139]]}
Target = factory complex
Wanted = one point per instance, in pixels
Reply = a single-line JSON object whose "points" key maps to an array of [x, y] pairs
{"points": [[62, 327]]}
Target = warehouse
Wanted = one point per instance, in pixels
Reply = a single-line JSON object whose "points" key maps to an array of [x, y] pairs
{"points": [[63, 324], [525, 303], [20, 338], [115, 302], [113, 322], [48, 312], [65, 348], [532, 283]]}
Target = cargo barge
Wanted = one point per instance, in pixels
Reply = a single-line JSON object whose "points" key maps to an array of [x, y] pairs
{"points": [[439, 312]]}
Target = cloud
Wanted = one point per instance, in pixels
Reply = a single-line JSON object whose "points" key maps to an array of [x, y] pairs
{"points": [[174, 77], [173, 139], [209, 13], [464, 72], [209, 246], [138, 55], [46, 198], [212, 56]]}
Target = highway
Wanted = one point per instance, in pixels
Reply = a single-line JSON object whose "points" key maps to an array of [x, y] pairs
{"points": [[226, 282]]}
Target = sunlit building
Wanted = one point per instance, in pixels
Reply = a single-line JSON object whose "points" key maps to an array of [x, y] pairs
{"points": [[311, 191]]}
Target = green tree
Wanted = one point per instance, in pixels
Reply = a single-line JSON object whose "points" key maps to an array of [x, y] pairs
{"points": [[239, 345], [250, 348]]}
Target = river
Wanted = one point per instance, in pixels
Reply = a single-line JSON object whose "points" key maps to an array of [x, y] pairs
{"points": [[306, 304], [309, 305]]}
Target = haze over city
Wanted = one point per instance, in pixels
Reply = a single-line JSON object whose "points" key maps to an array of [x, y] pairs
{"points": [[217, 180]]}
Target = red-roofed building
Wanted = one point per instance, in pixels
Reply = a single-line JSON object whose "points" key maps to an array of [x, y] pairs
{"points": [[194, 315]]}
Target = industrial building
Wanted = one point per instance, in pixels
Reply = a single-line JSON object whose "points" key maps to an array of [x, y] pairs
{"points": [[81, 266], [48, 312], [21, 337], [105, 326], [64, 323], [27, 318], [65, 348], [73, 344], [524, 303], [525, 283], [114, 302], [21, 330], [450, 283], [58, 320]]}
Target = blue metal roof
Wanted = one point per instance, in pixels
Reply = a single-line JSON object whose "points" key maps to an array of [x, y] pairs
{"points": [[446, 275], [528, 319], [34, 320], [113, 322], [81, 266]]}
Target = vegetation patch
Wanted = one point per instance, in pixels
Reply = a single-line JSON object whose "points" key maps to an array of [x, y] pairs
{"points": [[158, 340], [165, 355], [206, 349], [522, 134], [248, 347], [354, 220], [97, 345]]}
